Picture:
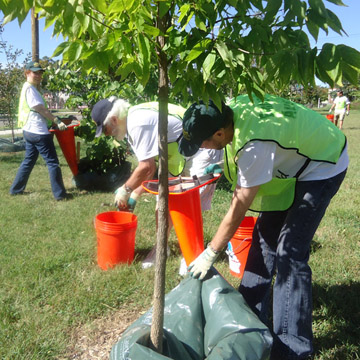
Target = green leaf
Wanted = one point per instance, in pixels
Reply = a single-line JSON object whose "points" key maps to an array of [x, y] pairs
{"points": [[214, 95], [61, 48], [319, 7], [198, 49], [271, 10], [350, 74], [184, 11], [350, 56], [164, 7], [74, 51], [225, 53], [208, 65], [151, 30]]}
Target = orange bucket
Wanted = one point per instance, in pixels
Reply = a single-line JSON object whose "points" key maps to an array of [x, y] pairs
{"points": [[115, 231], [239, 246], [330, 117]]}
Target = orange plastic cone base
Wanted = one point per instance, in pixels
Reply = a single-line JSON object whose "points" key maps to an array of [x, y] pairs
{"points": [[66, 141], [185, 212]]}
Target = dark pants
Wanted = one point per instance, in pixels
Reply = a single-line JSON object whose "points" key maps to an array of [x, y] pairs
{"points": [[43, 145], [281, 245]]}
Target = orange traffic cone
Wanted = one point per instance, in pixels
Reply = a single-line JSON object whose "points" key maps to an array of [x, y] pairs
{"points": [[185, 212], [66, 141]]}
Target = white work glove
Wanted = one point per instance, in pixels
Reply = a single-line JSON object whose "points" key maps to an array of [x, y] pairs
{"points": [[347, 112], [122, 195], [201, 265], [330, 111], [60, 125]]}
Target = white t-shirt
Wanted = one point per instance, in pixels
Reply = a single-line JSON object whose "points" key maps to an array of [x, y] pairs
{"points": [[36, 123], [142, 132], [341, 99], [260, 161]]}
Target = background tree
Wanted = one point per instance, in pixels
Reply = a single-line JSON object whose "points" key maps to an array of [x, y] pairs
{"points": [[11, 79], [198, 47]]}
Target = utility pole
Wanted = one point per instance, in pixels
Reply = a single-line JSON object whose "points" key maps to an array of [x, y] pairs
{"points": [[34, 35]]}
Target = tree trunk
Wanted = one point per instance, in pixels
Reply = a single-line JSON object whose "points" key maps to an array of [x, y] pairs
{"points": [[156, 333], [35, 35]]}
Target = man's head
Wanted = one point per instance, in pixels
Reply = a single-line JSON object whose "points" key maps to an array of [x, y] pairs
{"points": [[110, 117], [203, 126], [33, 73], [340, 93]]}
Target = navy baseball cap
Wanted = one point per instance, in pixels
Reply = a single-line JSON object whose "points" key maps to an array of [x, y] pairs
{"points": [[99, 113]]}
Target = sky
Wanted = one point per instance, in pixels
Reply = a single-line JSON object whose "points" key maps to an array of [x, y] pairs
{"points": [[20, 38]]}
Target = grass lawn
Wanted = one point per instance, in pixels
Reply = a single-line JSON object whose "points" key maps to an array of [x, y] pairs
{"points": [[52, 290]]}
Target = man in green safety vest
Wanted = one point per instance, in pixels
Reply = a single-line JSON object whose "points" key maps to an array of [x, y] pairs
{"points": [[139, 124], [342, 107], [286, 162]]}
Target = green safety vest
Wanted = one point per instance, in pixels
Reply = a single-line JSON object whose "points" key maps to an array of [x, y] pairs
{"points": [[24, 108], [290, 125], [176, 161]]}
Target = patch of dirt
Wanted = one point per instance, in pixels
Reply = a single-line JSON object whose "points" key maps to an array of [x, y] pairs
{"points": [[94, 341]]}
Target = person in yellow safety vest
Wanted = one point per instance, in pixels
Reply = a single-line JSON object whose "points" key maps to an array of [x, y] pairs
{"points": [[286, 162], [139, 124], [35, 119], [342, 107]]}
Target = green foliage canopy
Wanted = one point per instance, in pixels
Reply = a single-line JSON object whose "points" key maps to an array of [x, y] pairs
{"points": [[250, 45]]}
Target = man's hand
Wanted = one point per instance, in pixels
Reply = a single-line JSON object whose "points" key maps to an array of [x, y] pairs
{"points": [[201, 265], [347, 112], [330, 110], [60, 125], [132, 201], [213, 169], [122, 195]]}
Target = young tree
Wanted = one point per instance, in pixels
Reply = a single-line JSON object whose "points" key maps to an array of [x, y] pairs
{"points": [[198, 46]]}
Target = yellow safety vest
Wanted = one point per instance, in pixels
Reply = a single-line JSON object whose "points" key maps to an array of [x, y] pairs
{"points": [[176, 161]]}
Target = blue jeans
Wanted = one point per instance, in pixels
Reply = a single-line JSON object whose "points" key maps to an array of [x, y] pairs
{"points": [[44, 145], [281, 245]]}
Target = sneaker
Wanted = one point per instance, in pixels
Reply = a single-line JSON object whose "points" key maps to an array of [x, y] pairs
{"points": [[183, 268], [149, 261]]}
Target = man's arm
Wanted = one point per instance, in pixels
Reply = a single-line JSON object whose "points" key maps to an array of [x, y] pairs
{"points": [[240, 203], [144, 171], [43, 111]]}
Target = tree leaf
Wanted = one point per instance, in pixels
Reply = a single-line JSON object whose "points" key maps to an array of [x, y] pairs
{"points": [[225, 53], [208, 65], [350, 56], [198, 49]]}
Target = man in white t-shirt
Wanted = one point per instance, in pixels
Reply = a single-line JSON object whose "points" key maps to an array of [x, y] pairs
{"points": [[286, 162], [139, 124], [35, 119], [342, 107]]}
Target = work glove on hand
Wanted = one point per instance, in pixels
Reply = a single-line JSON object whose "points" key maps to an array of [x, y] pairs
{"points": [[330, 111], [201, 265], [347, 112], [121, 198], [213, 169], [132, 201], [60, 125]]}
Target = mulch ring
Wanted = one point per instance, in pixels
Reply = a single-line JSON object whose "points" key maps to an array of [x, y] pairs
{"points": [[94, 341]]}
